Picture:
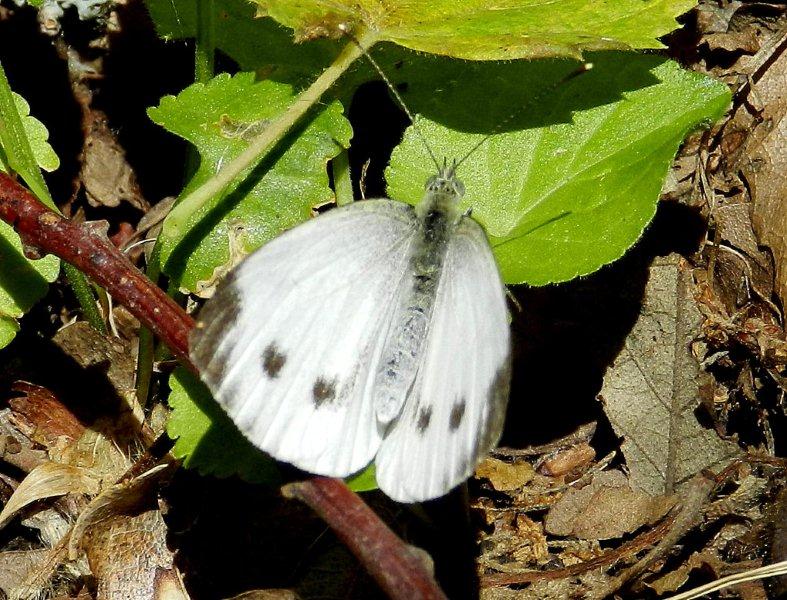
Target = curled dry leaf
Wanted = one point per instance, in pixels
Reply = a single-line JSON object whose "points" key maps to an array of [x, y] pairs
{"points": [[96, 352], [607, 508], [117, 425], [505, 476], [122, 498], [237, 252], [40, 415], [16, 448], [46, 481], [720, 30], [763, 159], [568, 460]]}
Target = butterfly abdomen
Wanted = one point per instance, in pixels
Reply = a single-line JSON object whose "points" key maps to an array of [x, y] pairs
{"points": [[403, 350]]}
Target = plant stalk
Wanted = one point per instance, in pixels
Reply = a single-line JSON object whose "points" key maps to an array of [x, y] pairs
{"points": [[175, 224]]}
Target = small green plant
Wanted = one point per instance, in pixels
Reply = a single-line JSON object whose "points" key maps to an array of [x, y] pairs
{"points": [[567, 181]]}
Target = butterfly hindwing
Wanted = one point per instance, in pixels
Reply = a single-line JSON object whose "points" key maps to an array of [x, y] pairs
{"points": [[290, 343], [454, 412]]}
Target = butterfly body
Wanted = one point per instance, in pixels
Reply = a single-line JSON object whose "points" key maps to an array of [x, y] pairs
{"points": [[437, 217], [376, 331]]}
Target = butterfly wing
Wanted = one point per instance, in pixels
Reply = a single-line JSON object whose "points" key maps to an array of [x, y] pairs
{"points": [[454, 413], [289, 343]]}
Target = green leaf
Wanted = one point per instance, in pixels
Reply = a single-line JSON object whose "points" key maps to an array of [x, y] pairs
{"points": [[218, 118], [364, 481], [558, 196], [37, 136], [208, 441], [480, 30], [205, 437], [15, 145], [22, 281], [252, 42]]}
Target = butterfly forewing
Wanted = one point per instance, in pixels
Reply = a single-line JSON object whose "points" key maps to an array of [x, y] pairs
{"points": [[454, 412], [293, 362]]}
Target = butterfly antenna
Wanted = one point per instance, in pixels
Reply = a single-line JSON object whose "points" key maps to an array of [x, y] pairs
{"points": [[575, 73], [396, 95]]}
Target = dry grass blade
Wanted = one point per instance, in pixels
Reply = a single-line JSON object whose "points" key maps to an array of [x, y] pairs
{"points": [[779, 568], [46, 481]]}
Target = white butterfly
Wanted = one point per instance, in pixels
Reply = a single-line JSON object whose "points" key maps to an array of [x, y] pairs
{"points": [[373, 332]]}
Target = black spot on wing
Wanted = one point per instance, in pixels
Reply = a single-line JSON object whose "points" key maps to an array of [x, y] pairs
{"points": [[273, 360], [324, 391], [424, 418], [457, 412]]}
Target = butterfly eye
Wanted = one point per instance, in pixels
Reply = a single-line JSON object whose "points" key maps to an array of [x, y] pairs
{"points": [[431, 183]]}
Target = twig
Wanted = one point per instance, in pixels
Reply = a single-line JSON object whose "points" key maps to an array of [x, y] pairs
{"points": [[389, 560], [686, 516], [645, 540], [359, 529], [87, 248]]}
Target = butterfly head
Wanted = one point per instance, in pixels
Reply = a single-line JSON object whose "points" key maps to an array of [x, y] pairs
{"points": [[445, 183]]}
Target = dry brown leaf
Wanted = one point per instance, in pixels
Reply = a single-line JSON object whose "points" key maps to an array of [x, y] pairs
{"points": [[652, 389], [568, 460], [42, 417], [114, 435], [16, 448], [764, 164], [607, 508], [15, 566], [124, 539], [117, 499], [237, 245], [129, 558], [94, 351], [106, 175], [581, 586], [673, 580], [505, 476], [47, 481]]}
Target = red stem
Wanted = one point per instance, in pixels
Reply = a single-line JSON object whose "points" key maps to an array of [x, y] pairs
{"points": [[87, 247], [390, 561], [398, 569]]}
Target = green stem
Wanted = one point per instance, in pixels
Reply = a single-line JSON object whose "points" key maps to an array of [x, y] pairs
{"points": [[84, 295], [205, 50], [175, 224], [342, 183]]}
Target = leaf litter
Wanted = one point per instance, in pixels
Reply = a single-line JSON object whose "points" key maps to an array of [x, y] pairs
{"points": [[622, 506]]}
